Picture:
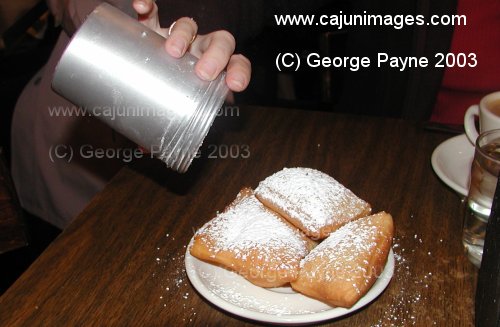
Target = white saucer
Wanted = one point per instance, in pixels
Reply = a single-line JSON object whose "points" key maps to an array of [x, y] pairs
{"points": [[231, 292], [451, 161]]}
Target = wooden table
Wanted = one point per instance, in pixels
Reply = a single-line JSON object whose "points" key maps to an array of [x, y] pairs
{"points": [[121, 261], [13, 233]]}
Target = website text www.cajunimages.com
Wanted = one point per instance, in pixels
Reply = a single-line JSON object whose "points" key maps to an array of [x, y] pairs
{"points": [[292, 61], [113, 112], [342, 20]]}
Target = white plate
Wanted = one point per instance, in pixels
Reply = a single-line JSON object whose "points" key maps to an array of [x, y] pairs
{"points": [[231, 292], [451, 161]]}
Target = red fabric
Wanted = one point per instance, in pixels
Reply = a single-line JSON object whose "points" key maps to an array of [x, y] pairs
{"points": [[462, 87]]}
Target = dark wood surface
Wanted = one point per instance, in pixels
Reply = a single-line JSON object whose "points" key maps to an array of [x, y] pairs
{"points": [[13, 233], [121, 261]]}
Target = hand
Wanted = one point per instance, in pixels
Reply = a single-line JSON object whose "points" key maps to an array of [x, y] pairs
{"points": [[214, 50]]}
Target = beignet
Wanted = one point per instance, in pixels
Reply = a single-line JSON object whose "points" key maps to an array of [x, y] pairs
{"points": [[253, 241], [341, 269], [311, 200]]}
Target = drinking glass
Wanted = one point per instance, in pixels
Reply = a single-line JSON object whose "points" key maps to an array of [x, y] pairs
{"points": [[485, 169]]}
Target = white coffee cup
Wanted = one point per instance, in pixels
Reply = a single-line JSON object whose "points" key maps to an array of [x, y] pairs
{"points": [[488, 111]]}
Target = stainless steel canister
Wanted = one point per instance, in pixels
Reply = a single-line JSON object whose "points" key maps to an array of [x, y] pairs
{"points": [[117, 69]]}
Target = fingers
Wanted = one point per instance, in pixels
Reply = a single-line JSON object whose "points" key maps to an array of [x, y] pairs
{"points": [[239, 71], [181, 34], [216, 49], [148, 14], [216, 52]]}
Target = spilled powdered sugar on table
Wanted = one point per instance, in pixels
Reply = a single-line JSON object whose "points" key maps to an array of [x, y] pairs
{"points": [[175, 282], [405, 295]]}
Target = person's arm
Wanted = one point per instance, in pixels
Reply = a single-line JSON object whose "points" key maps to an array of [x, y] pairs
{"points": [[215, 50]]}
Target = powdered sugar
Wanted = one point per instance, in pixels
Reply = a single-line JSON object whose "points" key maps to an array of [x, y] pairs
{"points": [[247, 225], [311, 196], [171, 278], [344, 255], [236, 293], [413, 284]]}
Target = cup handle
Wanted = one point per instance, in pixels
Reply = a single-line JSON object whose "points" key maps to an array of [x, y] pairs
{"points": [[470, 123]]}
